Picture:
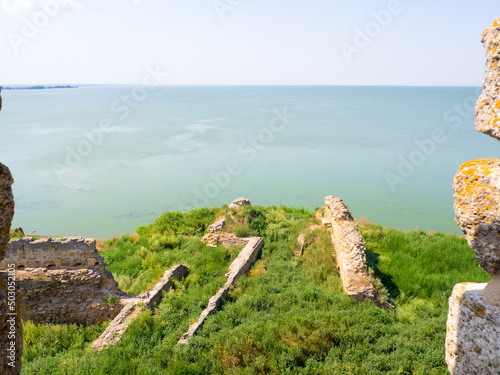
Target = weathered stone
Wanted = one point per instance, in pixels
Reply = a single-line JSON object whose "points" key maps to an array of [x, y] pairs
{"points": [[350, 251], [477, 209], [229, 239], [488, 105], [62, 280], [134, 305], [214, 230], [473, 332], [240, 202], [301, 240], [6, 207], [11, 340], [473, 326]]}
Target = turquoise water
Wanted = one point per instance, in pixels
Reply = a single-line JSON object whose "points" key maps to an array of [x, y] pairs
{"points": [[100, 161]]}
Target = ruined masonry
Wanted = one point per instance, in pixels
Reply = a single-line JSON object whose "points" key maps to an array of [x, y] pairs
{"points": [[11, 340], [243, 262], [239, 267], [63, 280], [473, 326], [350, 251], [134, 305]]}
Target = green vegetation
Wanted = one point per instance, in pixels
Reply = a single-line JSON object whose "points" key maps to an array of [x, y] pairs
{"points": [[286, 316], [15, 235]]}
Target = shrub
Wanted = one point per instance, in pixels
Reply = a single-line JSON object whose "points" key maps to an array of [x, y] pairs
{"points": [[242, 230]]}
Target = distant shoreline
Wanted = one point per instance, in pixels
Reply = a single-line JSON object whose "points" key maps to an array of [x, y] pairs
{"points": [[38, 87]]}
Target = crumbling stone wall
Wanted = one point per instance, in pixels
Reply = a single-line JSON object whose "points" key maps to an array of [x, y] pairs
{"points": [[473, 326], [134, 305], [63, 280], [243, 262], [52, 252], [11, 341], [350, 251]]}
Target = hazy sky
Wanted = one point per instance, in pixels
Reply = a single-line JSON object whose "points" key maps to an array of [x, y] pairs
{"points": [[316, 42]]}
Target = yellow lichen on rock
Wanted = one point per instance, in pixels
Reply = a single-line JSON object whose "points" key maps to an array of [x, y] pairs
{"points": [[477, 209]]}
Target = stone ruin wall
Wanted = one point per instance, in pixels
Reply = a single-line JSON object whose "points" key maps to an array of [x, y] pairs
{"points": [[62, 280], [134, 305], [11, 340], [350, 251], [473, 326]]}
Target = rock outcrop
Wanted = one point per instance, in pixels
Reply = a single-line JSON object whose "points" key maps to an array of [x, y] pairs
{"points": [[11, 341], [473, 326]]}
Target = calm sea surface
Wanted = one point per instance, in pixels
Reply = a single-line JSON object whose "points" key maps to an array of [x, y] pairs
{"points": [[100, 161]]}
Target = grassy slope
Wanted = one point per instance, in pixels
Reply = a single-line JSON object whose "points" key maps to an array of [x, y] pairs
{"points": [[287, 316]]}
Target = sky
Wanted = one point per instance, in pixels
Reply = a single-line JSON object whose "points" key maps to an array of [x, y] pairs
{"points": [[245, 42]]}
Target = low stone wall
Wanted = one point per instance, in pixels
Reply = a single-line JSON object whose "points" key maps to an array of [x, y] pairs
{"points": [[137, 304], [62, 280], [246, 258], [350, 251]]}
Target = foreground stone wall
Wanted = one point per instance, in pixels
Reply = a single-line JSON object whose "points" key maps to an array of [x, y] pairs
{"points": [[472, 341], [350, 251], [11, 341], [63, 280], [6, 208], [473, 326], [52, 252]]}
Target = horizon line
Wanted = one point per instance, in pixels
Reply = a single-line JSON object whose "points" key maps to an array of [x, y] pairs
{"points": [[223, 85]]}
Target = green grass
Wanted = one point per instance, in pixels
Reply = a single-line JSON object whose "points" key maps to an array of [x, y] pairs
{"points": [[286, 316], [15, 235]]}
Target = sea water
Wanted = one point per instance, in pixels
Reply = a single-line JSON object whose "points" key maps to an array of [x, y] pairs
{"points": [[102, 160]]}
